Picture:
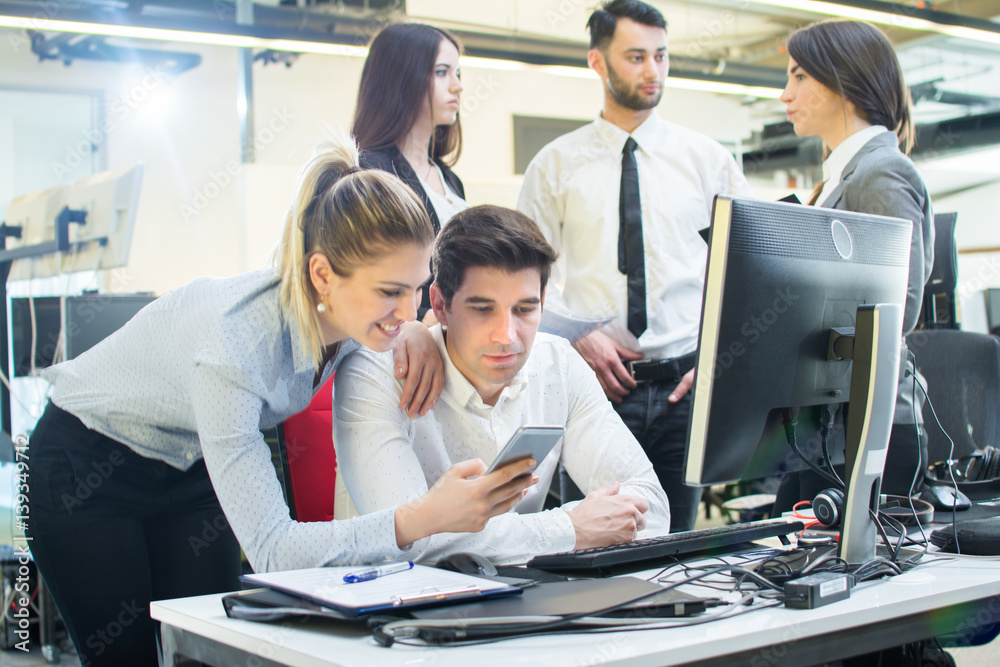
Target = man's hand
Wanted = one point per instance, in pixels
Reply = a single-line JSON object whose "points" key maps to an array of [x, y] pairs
{"points": [[604, 518], [683, 387], [417, 358], [463, 500], [605, 356]]}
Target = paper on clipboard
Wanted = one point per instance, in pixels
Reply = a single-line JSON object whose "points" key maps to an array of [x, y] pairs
{"points": [[420, 586], [560, 321]]}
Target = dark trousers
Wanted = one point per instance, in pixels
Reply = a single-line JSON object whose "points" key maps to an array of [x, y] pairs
{"points": [[661, 428], [111, 530]]}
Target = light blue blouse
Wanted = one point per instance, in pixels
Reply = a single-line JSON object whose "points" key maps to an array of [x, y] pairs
{"points": [[198, 373]]}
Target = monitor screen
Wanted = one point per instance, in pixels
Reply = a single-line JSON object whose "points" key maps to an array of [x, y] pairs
{"points": [[780, 278], [109, 199]]}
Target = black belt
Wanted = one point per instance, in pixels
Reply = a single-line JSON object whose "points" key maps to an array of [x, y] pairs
{"points": [[661, 370]]}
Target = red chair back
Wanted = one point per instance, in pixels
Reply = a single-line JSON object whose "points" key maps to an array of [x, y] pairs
{"points": [[308, 459]]}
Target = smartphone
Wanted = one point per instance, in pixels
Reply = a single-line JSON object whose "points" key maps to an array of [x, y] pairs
{"points": [[528, 442]]}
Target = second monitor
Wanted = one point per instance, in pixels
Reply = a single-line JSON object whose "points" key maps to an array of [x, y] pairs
{"points": [[792, 295]]}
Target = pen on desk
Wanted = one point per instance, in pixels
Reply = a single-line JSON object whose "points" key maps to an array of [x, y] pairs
{"points": [[434, 596], [375, 572]]}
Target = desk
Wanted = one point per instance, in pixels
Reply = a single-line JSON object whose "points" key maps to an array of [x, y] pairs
{"points": [[960, 595]]}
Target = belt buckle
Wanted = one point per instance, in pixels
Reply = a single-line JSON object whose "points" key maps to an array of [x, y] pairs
{"points": [[631, 366]]}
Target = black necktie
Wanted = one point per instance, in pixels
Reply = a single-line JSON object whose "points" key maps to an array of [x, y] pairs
{"points": [[630, 251]]}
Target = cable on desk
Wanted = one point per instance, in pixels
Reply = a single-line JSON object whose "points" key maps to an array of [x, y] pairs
{"points": [[741, 607], [951, 451], [468, 629]]}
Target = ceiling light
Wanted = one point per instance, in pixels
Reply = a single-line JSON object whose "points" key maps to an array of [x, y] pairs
{"points": [[892, 14], [184, 36], [326, 48]]}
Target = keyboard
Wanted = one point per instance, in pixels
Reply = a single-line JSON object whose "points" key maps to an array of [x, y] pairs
{"points": [[656, 551]]}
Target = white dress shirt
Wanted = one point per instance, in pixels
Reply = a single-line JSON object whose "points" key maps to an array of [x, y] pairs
{"points": [[198, 373], [833, 166], [446, 205], [571, 189], [387, 458]]}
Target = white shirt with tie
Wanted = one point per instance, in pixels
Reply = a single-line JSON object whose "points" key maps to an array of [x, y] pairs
{"points": [[571, 189]]}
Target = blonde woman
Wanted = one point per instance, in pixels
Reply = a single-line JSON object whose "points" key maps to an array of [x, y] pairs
{"points": [[149, 470]]}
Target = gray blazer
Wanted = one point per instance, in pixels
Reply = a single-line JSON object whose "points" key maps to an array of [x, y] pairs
{"points": [[880, 179]]}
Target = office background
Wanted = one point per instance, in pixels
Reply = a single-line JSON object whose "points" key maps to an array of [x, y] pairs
{"points": [[206, 209]]}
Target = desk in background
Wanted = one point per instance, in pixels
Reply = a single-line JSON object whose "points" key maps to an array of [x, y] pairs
{"points": [[960, 595]]}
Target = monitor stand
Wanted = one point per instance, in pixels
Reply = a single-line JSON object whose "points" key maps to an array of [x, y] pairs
{"points": [[874, 348]]}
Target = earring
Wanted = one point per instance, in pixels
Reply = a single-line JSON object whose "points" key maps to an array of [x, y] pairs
{"points": [[321, 307]]}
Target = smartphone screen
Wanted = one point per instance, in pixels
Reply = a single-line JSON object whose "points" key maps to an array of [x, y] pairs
{"points": [[528, 442]]}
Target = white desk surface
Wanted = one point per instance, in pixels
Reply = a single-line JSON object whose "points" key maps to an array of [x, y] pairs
{"points": [[931, 586]]}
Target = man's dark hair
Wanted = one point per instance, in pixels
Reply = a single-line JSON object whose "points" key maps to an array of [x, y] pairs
{"points": [[602, 22], [493, 237]]}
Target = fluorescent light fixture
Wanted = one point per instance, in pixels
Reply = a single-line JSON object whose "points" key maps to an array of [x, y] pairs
{"points": [[323, 48], [723, 87], [184, 36], [493, 63], [888, 16]]}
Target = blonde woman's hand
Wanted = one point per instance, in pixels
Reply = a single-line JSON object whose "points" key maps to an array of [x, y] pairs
{"points": [[417, 358], [463, 500]]}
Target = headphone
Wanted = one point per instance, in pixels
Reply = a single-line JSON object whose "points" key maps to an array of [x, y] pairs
{"points": [[828, 507], [979, 466]]}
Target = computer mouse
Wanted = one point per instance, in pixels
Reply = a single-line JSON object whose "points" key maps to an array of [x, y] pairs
{"points": [[468, 563], [945, 498]]}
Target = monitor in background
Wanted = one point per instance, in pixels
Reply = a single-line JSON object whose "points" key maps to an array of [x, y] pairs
{"points": [[61, 328], [34, 332], [940, 307], [993, 310], [35, 213], [791, 295], [110, 200]]}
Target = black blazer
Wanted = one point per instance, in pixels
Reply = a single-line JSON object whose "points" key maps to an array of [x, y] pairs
{"points": [[391, 160]]}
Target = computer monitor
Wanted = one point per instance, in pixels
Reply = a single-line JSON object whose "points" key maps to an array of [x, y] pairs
{"points": [[110, 200], [35, 213], [993, 310], [789, 291]]}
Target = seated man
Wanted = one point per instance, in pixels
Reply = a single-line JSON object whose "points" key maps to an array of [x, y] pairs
{"points": [[490, 266]]}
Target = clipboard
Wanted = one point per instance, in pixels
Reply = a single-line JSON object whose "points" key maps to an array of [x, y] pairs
{"points": [[419, 587]]}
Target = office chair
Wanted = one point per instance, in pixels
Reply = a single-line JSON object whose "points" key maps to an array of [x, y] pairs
{"points": [[308, 460], [962, 369]]}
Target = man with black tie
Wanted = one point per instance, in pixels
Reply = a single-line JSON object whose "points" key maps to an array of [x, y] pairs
{"points": [[622, 200]]}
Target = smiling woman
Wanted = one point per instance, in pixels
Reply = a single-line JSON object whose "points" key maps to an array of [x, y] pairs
{"points": [[179, 396]]}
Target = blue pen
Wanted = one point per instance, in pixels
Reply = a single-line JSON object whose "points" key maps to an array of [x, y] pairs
{"points": [[376, 572]]}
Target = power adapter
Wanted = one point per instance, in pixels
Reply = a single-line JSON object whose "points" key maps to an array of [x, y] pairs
{"points": [[817, 590]]}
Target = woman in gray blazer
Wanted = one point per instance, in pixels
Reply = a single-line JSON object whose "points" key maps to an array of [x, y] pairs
{"points": [[845, 86]]}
